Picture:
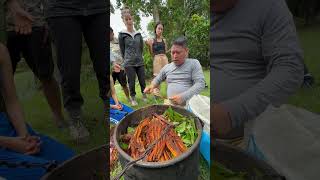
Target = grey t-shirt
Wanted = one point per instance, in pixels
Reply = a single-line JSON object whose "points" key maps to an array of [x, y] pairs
{"points": [[255, 58], [186, 79]]}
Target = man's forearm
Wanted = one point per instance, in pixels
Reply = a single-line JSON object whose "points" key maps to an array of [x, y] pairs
{"points": [[273, 90], [157, 80], [195, 89], [153, 85]]}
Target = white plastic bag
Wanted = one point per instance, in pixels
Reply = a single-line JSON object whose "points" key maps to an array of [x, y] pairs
{"points": [[289, 139]]}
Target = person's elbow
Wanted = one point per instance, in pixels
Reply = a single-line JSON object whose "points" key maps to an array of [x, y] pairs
{"points": [[201, 84], [297, 74]]}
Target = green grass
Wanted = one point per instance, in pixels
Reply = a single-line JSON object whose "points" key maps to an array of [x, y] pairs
{"points": [[204, 168], [38, 113], [309, 98]]}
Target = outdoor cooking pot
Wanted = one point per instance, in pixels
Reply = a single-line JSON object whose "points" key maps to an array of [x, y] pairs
{"points": [[92, 165], [185, 166]]}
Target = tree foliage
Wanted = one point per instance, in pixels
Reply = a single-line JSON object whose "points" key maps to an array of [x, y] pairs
{"points": [[306, 9], [146, 7], [197, 33], [179, 17]]}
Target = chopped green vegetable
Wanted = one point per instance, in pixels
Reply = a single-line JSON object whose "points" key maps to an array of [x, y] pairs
{"points": [[184, 126], [181, 127], [130, 130], [124, 146]]}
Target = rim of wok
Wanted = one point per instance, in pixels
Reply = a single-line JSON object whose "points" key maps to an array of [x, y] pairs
{"points": [[170, 162], [77, 157]]}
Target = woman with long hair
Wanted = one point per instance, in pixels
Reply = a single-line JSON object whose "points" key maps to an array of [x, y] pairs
{"points": [[158, 49], [131, 47]]}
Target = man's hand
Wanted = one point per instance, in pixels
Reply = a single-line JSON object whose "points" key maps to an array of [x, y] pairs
{"points": [[148, 89], [221, 121], [26, 145], [177, 99], [22, 19]]}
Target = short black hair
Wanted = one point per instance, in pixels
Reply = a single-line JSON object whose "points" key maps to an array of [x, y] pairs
{"points": [[180, 41]]}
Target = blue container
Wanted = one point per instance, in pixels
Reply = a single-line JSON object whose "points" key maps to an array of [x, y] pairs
{"points": [[205, 146]]}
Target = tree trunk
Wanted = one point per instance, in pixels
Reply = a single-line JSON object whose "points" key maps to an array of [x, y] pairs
{"points": [[156, 16]]}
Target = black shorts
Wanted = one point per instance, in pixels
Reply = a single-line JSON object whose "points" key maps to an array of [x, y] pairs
{"points": [[120, 76], [37, 54]]}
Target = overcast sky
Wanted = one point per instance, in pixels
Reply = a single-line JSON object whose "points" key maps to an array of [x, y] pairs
{"points": [[117, 24]]}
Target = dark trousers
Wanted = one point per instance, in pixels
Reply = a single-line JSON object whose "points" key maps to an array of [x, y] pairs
{"points": [[36, 50], [131, 72], [67, 35]]}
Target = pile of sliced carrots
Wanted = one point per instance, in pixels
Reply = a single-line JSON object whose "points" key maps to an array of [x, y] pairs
{"points": [[149, 130]]}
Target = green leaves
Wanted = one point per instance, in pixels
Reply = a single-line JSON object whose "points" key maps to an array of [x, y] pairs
{"points": [[220, 172], [123, 145], [181, 128], [130, 130], [184, 126], [197, 31]]}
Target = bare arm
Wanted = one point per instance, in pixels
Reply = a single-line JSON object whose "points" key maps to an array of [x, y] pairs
{"points": [[8, 92], [149, 43]]}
